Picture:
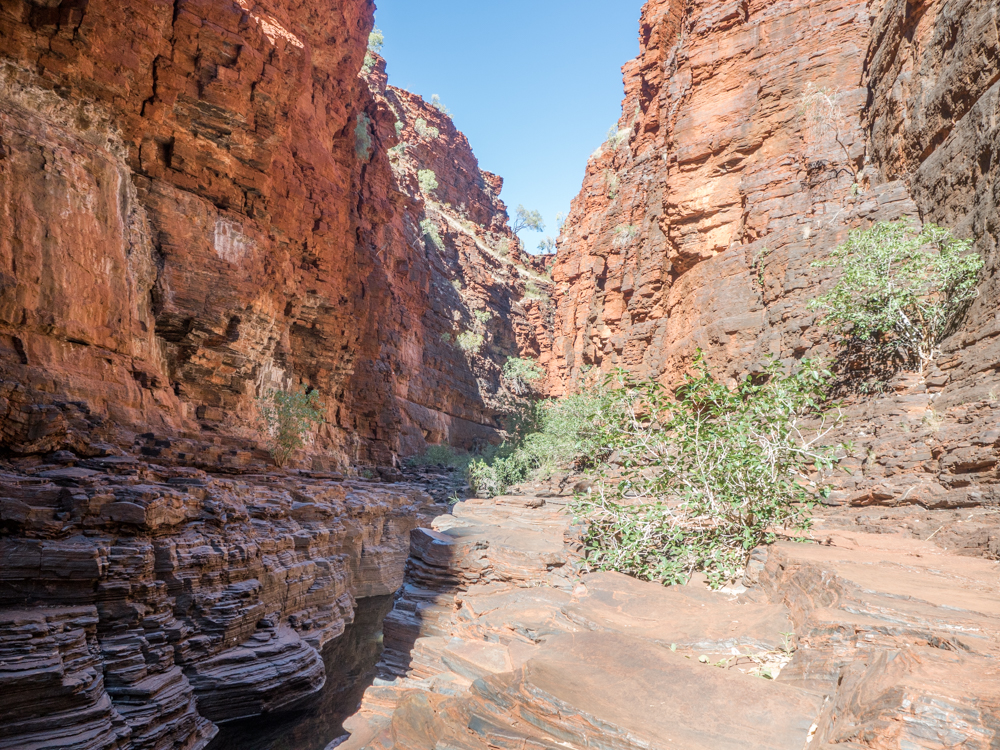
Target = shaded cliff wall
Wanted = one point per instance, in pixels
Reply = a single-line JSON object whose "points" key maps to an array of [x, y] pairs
{"points": [[196, 205], [459, 277], [753, 136]]}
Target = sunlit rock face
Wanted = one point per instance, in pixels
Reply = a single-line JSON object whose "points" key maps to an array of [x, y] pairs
{"points": [[753, 137], [197, 205]]}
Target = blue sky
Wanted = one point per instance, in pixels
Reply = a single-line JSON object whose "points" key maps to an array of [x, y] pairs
{"points": [[534, 85]]}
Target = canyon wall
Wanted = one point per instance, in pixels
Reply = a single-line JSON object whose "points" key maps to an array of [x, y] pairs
{"points": [[198, 207], [754, 137]]}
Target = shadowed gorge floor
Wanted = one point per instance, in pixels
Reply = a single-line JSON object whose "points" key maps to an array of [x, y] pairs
{"points": [[350, 668]]}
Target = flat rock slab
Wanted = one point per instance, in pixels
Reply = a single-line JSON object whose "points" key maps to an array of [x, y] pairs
{"points": [[625, 692], [688, 616]]}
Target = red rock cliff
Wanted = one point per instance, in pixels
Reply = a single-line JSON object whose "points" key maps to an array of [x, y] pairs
{"points": [[754, 136], [697, 223], [196, 204]]}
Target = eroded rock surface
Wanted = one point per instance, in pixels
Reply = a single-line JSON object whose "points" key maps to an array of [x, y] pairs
{"points": [[139, 604], [500, 639], [197, 205]]}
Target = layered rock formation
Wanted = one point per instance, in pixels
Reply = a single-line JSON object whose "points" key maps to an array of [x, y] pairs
{"points": [[754, 136], [140, 604], [860, 641], [462, 285], [198, 207]]}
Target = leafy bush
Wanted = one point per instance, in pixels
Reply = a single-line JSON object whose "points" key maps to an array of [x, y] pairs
{"points": [[375, 41], [708, 474], [425, 131], [533, 292], [525, 219], [571, 431], [439, 105], [428, 181], [399, 127], [624, 235], [482, 316], [547, 246], [469, 342], [430, 232], [903, 288], [362, 137], [521, 373], [286, 417]]}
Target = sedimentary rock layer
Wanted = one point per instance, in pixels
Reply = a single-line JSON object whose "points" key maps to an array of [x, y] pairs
{"points": [[858, 641], [753, 137], [196, 205], [139, 604]]}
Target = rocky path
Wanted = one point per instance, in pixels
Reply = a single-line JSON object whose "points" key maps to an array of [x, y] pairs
{"points": [[500, 640]]}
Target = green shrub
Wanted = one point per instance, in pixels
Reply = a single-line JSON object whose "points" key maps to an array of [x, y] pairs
{"points": [[902, 288], [624, 235], [399, 127], [482, 316], [547, 246], [428, 181], [430, 232], [570, 432], [708, 474], [362, 137], [439, 105], [469, 342], [425, 131], [375, 41], [286, 417], [533, 292], [525, 219], [521, 373]]}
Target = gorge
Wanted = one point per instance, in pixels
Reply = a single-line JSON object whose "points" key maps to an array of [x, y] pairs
{"points": [[201, 200]]}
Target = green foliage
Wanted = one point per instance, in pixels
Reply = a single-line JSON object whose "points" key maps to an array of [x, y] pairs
{"points": [[902, 288], [438, 105], [428, 181], [441, 455], [469, 342], [398, 151], [375, 41], [503, 247], [533, 292], [616, 137], [425, 131], [430, 232], [400, 127], [525, 219], [547, 246], [362, 137], [708, 474], [521, 372], [571, 431], [482, 316], [286, 417]]}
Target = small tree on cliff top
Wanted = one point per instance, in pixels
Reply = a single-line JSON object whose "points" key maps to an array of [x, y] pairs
{"points": [[286, 417], [526, 219]]}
